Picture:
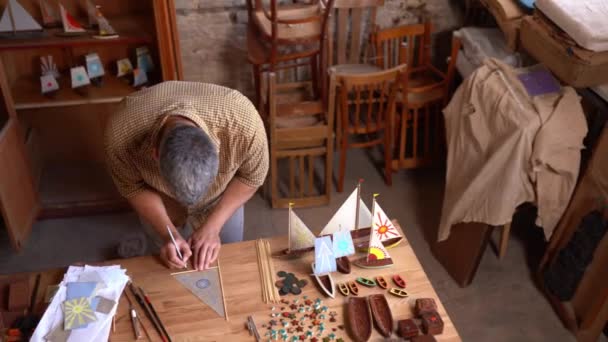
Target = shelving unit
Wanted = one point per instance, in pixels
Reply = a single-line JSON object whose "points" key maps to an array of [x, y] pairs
{"points": [[63, 134]]}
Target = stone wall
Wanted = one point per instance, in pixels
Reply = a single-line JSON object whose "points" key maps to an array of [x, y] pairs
{"points": [[213, 34]]}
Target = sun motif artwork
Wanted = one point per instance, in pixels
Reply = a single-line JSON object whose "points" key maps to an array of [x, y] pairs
{"points": [[78, 312], [376, 253], [343, 244], [384, 229]]}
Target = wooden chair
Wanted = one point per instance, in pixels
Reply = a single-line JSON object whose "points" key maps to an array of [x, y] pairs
{"points": [[425, 92], [301, 132], [367, 105], [282, 36], [349, 48]]}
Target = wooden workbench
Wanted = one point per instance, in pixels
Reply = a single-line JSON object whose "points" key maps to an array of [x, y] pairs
{"points": [[188, 319]]}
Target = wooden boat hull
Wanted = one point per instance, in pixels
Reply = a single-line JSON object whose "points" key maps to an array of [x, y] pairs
{"points": [[343, 265], [292, 254], [381, 282], [372, 263], [366, 282], [399, 281], [325, 282], [344, 290], [381, 313], [359, 319], [361, 239], [398, 292], [354, 289]]}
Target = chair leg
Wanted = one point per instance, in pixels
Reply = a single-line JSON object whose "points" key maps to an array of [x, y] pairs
{"points": [[257, 70], [341, 172], [315, 76], [504, 239]]}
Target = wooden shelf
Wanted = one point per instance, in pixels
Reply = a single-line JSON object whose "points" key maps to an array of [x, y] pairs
{"points": [[27, 95], [129, 30], [78, 188]]}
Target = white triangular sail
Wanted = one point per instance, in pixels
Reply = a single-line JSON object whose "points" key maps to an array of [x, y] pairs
{"points": [[79, 77], [205, 285], [48, 83], [300, 237], [345, 216], [376, 250], [15, 18], [92, 13], [94, 66], [70, 25], [105, 29], [325, 260], [49, 14], [382, 226]]}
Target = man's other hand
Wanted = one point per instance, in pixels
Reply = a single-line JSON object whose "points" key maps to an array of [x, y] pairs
{"points": [[169, 256], [205, 244]]}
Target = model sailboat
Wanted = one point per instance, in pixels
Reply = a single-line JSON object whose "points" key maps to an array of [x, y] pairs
{"points": [[80, 79], [324, 265], [95, 69], [301, 239], [70, 25], [377, 255], [15, 19], [106, 31], [50, 17], [49, 75]]}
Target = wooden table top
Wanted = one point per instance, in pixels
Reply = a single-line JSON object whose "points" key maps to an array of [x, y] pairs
{"points": [[188, 319]]}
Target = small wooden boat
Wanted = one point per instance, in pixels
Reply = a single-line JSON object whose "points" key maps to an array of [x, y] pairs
{"points": [[343, 265], [381, 282], [399, 281], [354, 289], [381, 313], [359, 319], [374, 263], [343, 288], [366, 282], [292, 254], [326, 283], [398, 292]]}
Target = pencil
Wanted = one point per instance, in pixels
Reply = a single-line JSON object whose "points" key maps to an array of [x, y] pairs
{"points": [[179, 253], [154, 313]]}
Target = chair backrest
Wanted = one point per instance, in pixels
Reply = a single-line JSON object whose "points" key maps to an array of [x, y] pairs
{"points": [[416, 39], [347, 29], [367, 101]]}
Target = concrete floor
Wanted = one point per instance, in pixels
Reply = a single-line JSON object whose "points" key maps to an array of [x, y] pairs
{"points": [[502, 304]]}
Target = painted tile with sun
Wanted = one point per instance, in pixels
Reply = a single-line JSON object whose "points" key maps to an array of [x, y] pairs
{"points": [[77, 312]]}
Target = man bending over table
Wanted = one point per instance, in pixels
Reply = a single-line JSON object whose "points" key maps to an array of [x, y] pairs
{"points": [[188, 155]]}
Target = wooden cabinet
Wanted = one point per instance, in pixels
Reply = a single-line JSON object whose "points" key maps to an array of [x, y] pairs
{"points": [[58, 141]]}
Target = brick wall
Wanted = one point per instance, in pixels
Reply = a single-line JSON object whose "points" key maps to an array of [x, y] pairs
{"points": [[213, 34]]}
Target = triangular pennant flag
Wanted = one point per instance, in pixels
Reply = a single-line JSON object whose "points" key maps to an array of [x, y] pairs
{"points": [[325, 261], [21, 20], [70, 25], [343, 244], [382, 227], [206, 286], [300, 237], [345, 216]]}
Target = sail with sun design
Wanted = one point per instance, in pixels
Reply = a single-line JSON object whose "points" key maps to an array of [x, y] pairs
{"points": [[377, 255]]}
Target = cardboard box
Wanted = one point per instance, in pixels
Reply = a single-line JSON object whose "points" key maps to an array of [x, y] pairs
{"points": [[572, 64]]}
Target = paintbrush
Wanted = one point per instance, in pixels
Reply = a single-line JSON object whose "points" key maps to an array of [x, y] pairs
{"points": [[154, 313], [134, 320], [143, 305], [179, 253]]}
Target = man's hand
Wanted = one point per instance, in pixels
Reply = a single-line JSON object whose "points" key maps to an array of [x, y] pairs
{"points": [[169, 256], [206, 244]]}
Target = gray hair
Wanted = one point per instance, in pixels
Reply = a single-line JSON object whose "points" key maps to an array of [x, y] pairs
{"points": [[188, 162]]}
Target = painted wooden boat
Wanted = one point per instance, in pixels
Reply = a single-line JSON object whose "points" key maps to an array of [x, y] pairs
{"points": [[359, 319], [344, 290], [343, 265], [398, 292], [399, 281], [361, 239], [354, 289], [292, 254], [366, 262], [381, 282], [326, 283], [381, 313], [366, 282]]}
